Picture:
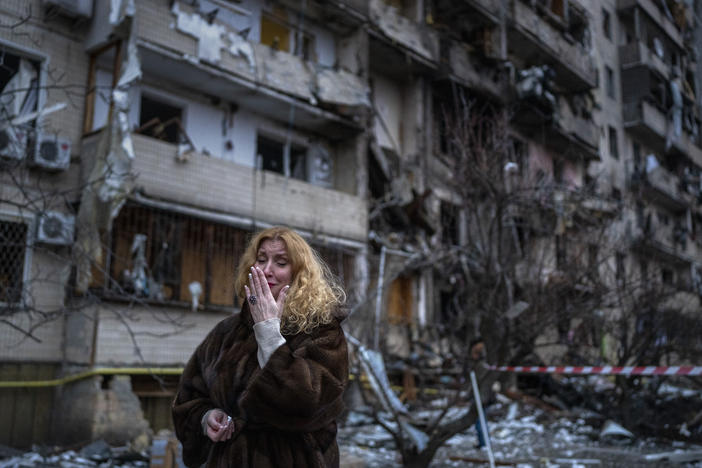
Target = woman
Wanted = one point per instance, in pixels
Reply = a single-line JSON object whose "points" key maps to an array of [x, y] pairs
{"points": [[265, 386]]}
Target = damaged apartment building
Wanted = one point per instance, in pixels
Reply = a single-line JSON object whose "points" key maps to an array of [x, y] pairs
{"points": [[143, 141]]}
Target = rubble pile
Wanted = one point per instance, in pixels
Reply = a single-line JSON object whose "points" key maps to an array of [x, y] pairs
{"points": [[97, 454], [525, 436]]}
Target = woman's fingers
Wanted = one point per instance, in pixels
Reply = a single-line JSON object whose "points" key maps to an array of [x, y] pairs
{"points": [[282, 295], [256, 280]]}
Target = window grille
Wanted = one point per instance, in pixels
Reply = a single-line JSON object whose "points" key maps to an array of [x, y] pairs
{"points": [[13, 247], [177, 250]]}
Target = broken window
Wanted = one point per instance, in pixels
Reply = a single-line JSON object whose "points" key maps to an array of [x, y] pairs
{"points": [[613, 145], [13, 248], [274, 33], [278, 34], [558, 8], [280, 157], [19, 85], [159, 119], [606, 24], [167, 256], [577, 24], [400, 301], [102, 77]]}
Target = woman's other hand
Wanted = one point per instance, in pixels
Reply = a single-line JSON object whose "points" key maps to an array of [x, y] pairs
{"points": [[220, 426]]}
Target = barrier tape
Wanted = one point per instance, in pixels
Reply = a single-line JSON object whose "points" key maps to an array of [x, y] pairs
{"points": [[602, 370]]}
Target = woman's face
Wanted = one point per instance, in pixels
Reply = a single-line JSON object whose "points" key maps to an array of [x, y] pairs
{"points": [[272, 258]]}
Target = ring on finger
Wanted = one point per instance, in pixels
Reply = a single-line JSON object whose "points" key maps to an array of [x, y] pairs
{"points": [[252, 299]]}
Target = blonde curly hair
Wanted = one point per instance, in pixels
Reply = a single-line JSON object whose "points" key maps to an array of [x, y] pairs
{"points": [[314, 292]]}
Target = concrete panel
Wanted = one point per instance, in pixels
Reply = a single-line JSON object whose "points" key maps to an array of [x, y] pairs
{"points": [[420, 40], [148, 333]]}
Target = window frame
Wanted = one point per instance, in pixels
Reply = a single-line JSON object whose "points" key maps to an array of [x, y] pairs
{"points": [[606, 24], [30, 222], [167, 99], [610, 80], [288, 144], [43, 61]]}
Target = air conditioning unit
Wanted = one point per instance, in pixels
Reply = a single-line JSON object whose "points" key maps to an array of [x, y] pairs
{"points": [[71, 8], [55, 228], [320, 166], [13, 142], [51, 152]]}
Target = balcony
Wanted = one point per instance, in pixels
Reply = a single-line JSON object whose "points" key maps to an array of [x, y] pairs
{"points": [[251, 74], [399, 44], [240, 192], [540, 42], [651, 10], [650, 125], [462, 68], [662, 187], [571, 135], [657, 240], [637, 54]]}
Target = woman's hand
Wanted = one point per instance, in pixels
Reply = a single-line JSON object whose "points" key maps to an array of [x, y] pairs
{"points": [[262, 304], [219, 426]]}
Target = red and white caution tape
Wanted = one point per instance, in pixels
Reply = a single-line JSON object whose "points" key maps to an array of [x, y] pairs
{"points": [[603, 370]]}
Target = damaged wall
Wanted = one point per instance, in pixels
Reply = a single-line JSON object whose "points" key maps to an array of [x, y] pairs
{"points": [[388, 107]]}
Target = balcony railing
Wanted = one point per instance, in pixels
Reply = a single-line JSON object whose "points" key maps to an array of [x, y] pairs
{"points": [[651, 126], [636, 54], [569, 133], [574, 65], [241, 192]]}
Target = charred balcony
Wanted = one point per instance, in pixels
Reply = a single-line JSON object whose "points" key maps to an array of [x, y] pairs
{"points": [[400, 45], [538, 36], [252, 74], [464, 68]]}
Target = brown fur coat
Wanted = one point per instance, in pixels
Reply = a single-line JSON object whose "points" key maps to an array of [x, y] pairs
{"points": [[284, 413]]}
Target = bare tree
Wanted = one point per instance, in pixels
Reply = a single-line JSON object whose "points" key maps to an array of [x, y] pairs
{"points": [[537, 266]]}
